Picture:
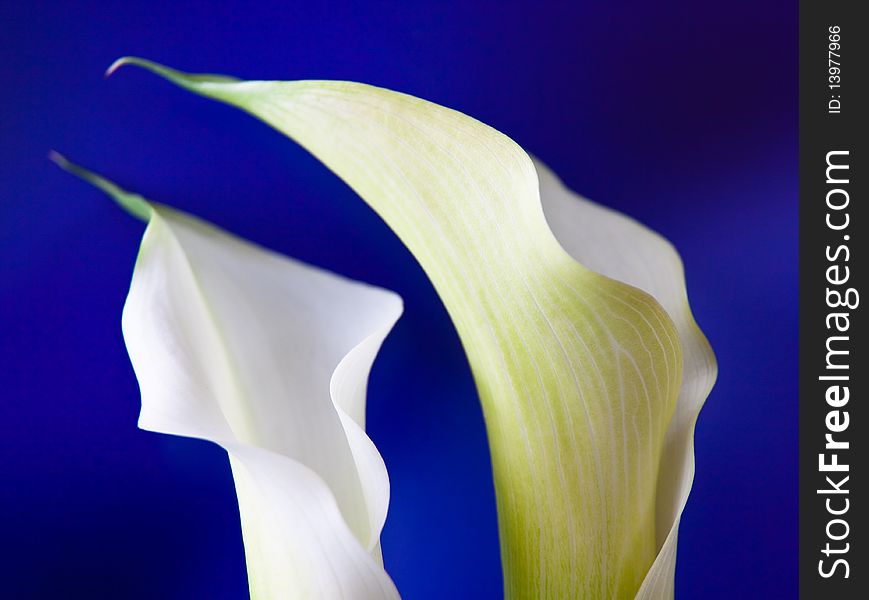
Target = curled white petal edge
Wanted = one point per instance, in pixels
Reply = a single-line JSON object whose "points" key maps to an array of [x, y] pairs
{"points": [[615, 245]]}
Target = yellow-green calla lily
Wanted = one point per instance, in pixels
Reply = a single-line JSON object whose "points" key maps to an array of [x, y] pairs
{"points": [[269, 358], [588, 364]]}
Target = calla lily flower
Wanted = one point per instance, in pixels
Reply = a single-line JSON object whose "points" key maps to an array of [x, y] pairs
{"points": [[588, 364], [269, 358], [574, 318]]}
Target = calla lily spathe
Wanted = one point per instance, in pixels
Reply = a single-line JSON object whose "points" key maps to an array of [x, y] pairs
{"points": [[590, 373], [269, 358]]}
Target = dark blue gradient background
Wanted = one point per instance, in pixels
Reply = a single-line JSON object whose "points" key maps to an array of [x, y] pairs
{"points": [[680, 113]]}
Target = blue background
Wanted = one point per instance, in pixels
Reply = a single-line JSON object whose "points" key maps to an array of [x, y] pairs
{"points": [[681, 113]]}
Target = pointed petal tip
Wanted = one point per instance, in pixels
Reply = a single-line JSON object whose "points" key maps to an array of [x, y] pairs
{"points": [[70, 167], [135, 61], [58, 159], [124, 60], [132, 203], [183, 79]]}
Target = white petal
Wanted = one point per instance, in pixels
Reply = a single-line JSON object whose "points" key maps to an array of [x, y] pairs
{"points": [[269, 358], [619, 247]]}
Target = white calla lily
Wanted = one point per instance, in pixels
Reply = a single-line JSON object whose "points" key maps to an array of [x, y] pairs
{"points": [[269, 358], [580, 374]]}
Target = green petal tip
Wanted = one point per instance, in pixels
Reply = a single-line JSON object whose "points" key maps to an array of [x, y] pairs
{"points": [[132, 203], [185, 80]]}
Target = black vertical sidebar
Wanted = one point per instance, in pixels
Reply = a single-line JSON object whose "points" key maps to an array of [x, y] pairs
{"points": [[834, 370]]}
